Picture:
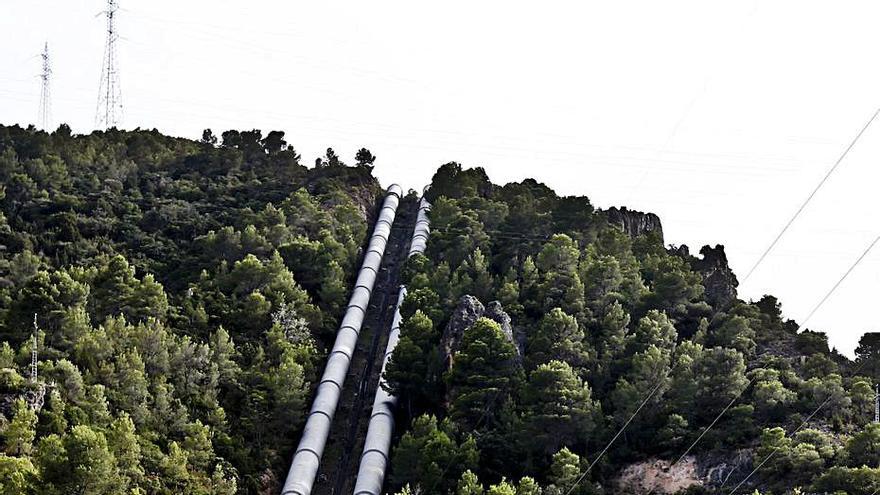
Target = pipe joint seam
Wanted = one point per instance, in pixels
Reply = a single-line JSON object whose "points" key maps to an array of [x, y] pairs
{"points": [[377, 451], [317, 411], [347, 355], [310, 451]]}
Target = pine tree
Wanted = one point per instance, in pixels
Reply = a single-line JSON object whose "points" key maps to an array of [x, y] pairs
{"points": [[558, 409], [558, 336], [483, 375], [19, 434]]}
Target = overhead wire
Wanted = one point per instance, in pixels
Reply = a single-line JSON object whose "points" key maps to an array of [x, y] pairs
{"points": [[496, 233], [613, 439], [688, 109], [776, 449], [730, 473], [224, 37], [821, 302], [537, 238], [733, 400], [711, 425], [810, 197], [476, 425], [840, 281], [825, 402], [821, 406]]}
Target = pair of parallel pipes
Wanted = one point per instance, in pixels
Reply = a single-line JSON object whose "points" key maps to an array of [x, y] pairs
{"points": [[377, 445], [306, 460]]}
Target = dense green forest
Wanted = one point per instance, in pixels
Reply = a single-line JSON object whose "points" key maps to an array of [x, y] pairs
{"points": [[182, 296], [536, 326]]}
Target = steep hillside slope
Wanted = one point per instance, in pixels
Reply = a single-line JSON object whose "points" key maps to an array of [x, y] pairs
{"points": [[598, 328], [184, 294]]}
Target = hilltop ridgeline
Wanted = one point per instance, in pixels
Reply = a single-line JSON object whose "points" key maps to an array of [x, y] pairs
{"points": [[607, 330], [187, 292]]}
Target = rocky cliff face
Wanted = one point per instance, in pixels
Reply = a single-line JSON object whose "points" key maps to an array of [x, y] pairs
{"points": [[495, 312], [718, 279], [468, 311], [634, 223]]}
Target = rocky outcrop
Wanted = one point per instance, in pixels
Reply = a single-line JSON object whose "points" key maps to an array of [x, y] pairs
{"points": [[468, 311], [34, 396], [660, 476], [496, 313], [656, 476], [718, 279], [634, 223], [727, 468], [465, 314]]}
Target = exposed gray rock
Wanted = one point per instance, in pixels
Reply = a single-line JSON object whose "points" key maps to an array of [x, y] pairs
{"points": [[468, 311], [661, 476], [634, 223], [658, 476], [726, 468], [496, 313], [681, 251], [465, 314], [718, 278]]}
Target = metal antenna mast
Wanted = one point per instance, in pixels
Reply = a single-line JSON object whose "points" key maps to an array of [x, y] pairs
{"points": [[109, 111], [34, 352], [876, 403], [45, 108]]}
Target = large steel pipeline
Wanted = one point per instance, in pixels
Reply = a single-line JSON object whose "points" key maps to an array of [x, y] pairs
{"points": [[377, 445], [422, 229], [307, 458]]}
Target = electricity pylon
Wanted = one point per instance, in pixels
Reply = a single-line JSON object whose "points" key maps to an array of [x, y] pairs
{"points": [[45, 104], [109, 112]]}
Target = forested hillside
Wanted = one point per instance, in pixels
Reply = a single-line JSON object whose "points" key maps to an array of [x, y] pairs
{"points": [[183, 295], [537, 326]]}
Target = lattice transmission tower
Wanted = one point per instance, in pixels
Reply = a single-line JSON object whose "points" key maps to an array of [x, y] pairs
{"points": [[45, 115], [109, 112]]}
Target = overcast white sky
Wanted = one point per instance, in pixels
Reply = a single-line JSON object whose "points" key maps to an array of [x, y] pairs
{"points": [[718, 116]]}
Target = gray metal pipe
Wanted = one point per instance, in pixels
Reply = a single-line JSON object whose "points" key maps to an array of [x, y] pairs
{"points": [[377, 445], [306, 460], [422, 229]]}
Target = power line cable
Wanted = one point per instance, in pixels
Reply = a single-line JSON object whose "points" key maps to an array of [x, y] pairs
{"points": [[619, 432], [711, 425], [851, 268], [730, 473], [492, 233], [855, 372], [776, 449], [454, 456], [827, 295], [729, 405], [810, 197], [689, 108]]}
